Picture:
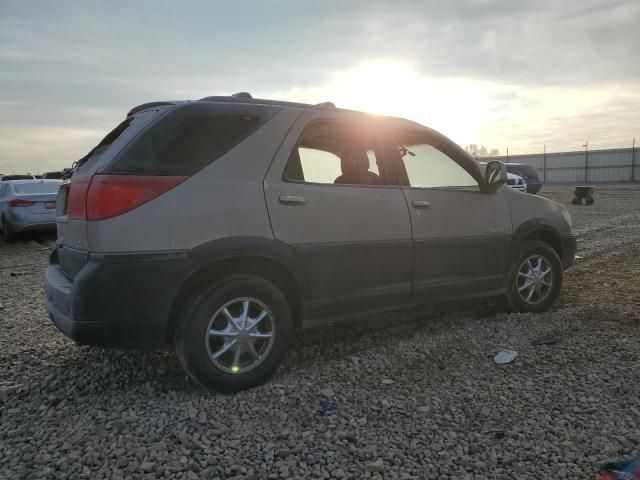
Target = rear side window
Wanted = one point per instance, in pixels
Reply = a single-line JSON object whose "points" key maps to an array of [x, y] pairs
{"points": [[87, 162], [189, 138]]}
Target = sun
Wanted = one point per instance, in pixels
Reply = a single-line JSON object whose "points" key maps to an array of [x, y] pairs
{"points": [[453, 106], [459, 107]]}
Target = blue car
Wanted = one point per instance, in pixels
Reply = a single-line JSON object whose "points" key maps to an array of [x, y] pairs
{"points": [[528, 173], [27, 205]]}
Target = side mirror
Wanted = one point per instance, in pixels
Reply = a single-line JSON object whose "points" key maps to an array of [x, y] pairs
{"points": [[495, 175]]}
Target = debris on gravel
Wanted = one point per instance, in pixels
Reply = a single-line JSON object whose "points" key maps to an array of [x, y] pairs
{"points": [[560, 411]]}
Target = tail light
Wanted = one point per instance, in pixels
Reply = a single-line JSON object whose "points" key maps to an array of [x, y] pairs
{"points": [[105, 196], [77, 196], [20, 203]]}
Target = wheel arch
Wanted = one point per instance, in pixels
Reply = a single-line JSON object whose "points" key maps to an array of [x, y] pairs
{"points": [[264, 257], [535, 229]]}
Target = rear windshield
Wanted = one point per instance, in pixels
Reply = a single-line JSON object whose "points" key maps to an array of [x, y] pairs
{"points": [[48, 187], [53, 175], [189, 138], [6, 178], [522, 170], [129, 126]]}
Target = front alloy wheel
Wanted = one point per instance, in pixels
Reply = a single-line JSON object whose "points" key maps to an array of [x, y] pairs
{"points": [[536, 280]]}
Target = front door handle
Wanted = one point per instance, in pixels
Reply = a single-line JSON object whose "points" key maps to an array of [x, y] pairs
{"points": [[420, 204], [292, 200]]}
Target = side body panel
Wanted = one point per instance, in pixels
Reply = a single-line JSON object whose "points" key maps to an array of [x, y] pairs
{"points": [[354, 241], [460, 242]]}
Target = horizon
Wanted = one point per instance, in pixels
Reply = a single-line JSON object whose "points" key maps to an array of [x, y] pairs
{"points": [[496, 74]]}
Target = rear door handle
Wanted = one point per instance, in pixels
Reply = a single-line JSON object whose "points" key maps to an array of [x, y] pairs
{"points": [[420, 204], [292, 200]]}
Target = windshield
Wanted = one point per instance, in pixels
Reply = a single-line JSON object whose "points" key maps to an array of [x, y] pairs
{"points": [[524, 171], [37, 187]]}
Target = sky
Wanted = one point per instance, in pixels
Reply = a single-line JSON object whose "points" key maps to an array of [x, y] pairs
{"points": [[505, 74]]}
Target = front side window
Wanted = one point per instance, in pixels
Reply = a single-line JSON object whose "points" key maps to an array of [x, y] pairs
{"points": [[336, 153], [427, 166]]}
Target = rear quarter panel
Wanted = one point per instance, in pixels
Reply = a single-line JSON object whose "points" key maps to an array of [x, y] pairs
{"points": [[224, 199]]}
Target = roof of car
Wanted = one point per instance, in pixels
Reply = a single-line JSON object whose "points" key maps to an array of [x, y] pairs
{"points": [[264, 101], [244, 98]]}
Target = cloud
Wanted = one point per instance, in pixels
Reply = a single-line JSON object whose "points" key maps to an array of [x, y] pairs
{"points": [[81, 65]]}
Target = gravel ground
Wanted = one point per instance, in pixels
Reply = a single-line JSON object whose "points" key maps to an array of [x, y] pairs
{"points": [[407, 395]]}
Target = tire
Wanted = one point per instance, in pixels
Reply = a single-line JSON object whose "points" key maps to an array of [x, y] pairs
{"points": [[544, 295], [8, 236], [204, 312]]}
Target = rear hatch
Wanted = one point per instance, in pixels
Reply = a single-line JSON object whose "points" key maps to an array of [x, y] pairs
{"points": [[72, 196]]}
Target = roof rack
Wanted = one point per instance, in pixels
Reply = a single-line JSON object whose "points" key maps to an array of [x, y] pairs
{"points": [[246, 97]]}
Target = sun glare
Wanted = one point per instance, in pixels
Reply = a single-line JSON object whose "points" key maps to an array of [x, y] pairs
{"points": [[451, 106]]}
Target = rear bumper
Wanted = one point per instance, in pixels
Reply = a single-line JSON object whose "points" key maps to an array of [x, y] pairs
{"points": [[569, 247], [116, 300], [17, 222]]}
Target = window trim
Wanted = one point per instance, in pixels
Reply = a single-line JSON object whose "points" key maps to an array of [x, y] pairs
{"points": [[380, 143]]}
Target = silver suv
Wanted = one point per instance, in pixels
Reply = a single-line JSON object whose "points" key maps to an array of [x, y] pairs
{"points": [[223, 225]]}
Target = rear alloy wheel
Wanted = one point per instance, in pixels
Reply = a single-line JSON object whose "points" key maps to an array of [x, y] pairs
{"points": [[234, 334], [240, 335], [536, 282]]}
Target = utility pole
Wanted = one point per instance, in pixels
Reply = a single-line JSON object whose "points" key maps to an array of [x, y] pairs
{"points": [[544, 164], [586, 161], [633, 159], [507, 154]]}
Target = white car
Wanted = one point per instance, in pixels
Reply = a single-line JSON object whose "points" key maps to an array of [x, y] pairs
{"points": [[516, 182]]}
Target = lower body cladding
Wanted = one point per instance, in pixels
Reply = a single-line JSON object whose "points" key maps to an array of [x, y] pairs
{"points": [[116, 300], [569, 247], [125, 300]]}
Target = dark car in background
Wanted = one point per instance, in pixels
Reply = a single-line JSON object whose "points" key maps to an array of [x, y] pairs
{"points": [[7, 178], [53, 175], [528, 173]]}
